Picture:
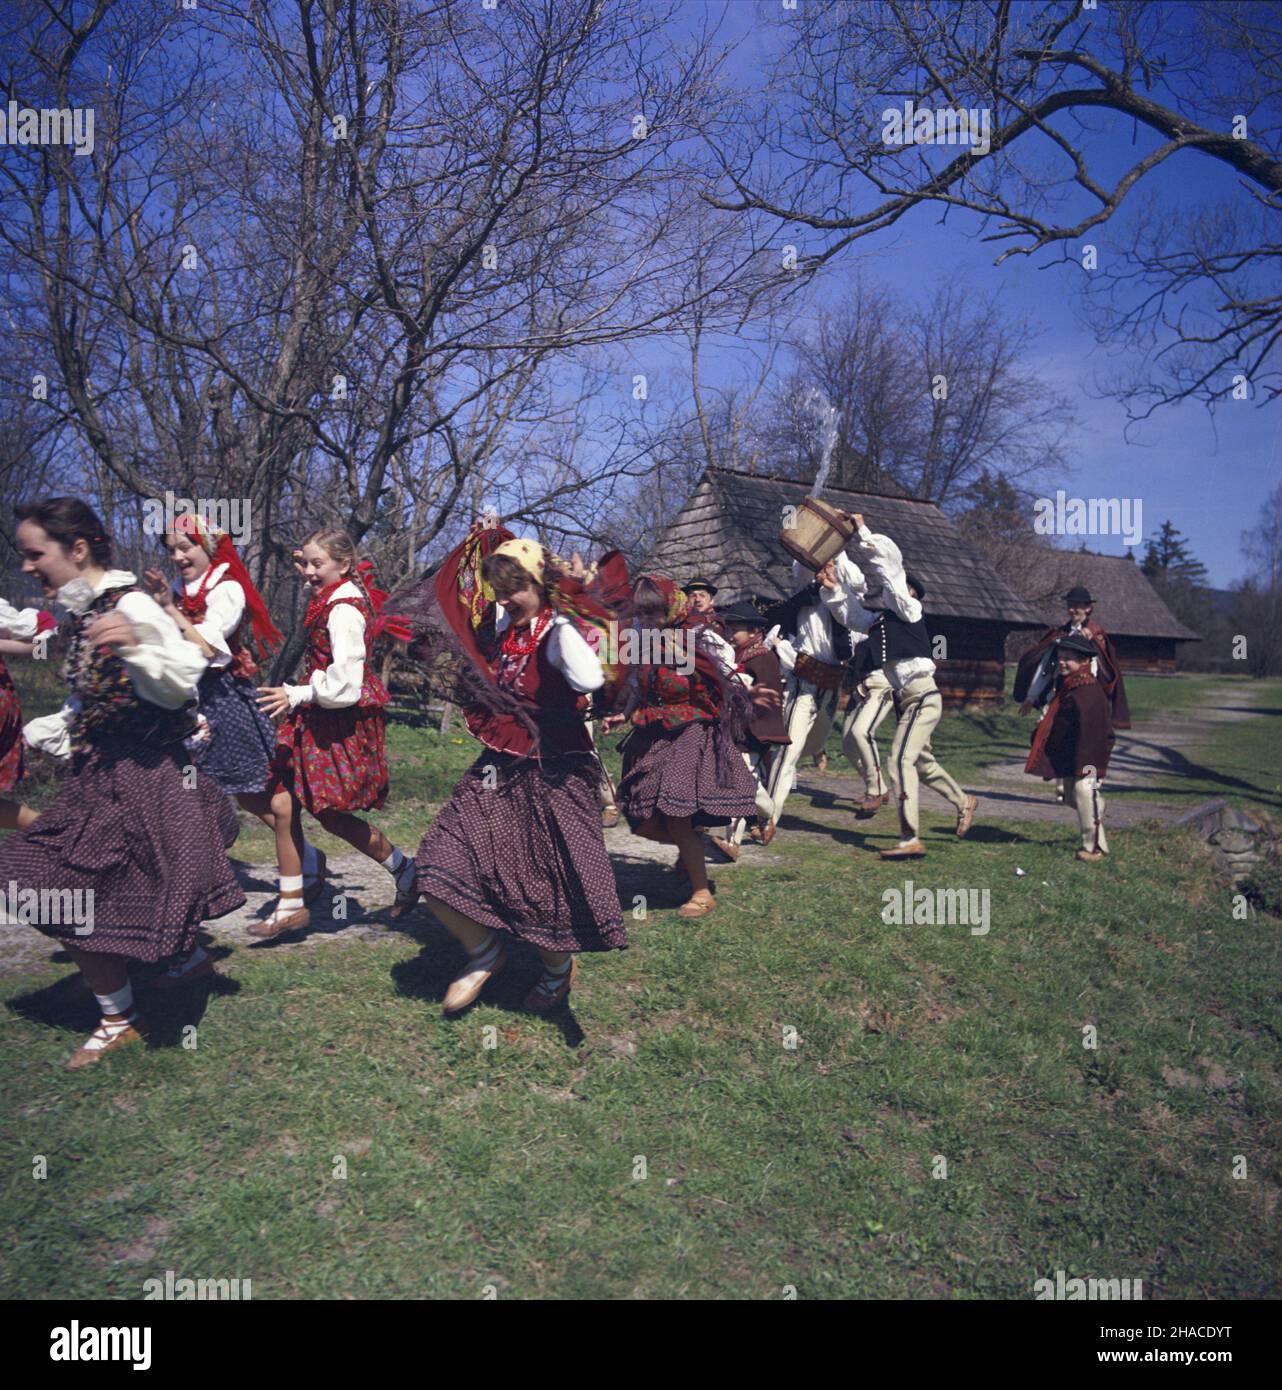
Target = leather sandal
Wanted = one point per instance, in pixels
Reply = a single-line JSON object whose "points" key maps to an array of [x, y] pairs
{"points": [[406, 897], [697, 907], [609, 817], [279, 923], [551, 990], [472, 979], [727, 847], [966, 816], [914, 849], [768, 833], [135, 1030]]}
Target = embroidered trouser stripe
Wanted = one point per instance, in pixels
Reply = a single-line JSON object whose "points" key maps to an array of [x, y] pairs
{"points": [[912, 760], [859, 737], [807, 718], [1087, 800]]}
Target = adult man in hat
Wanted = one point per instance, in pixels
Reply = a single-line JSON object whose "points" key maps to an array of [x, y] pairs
{"points": [[1075, 739], [813, 646], [899, 646], [758, 667], [702, 613], [1035, 675]]}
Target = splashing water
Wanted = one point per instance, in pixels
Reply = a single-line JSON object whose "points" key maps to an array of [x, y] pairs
{"points": [[819, 422]]}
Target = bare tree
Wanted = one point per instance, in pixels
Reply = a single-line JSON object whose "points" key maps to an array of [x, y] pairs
{"points": [[931, 397], [338, 257], [1044, 89]]}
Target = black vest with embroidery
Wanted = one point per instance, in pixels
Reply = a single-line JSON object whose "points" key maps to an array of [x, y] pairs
{"points": [[892, 639], [110, 708]]}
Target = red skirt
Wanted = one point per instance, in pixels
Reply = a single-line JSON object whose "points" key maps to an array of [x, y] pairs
{"points": [[10, 732], [332, 759]]}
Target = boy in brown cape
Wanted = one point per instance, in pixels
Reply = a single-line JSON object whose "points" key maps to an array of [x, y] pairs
{"points": [[1036, 671], [766, 732], [1074, 741]]}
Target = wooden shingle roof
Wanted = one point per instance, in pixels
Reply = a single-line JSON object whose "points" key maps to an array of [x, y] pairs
{"points": [[1126, 604], [728, 532]]}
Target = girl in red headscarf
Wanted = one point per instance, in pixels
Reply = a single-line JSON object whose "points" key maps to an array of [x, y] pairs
{"points": [[19, 629], [330, 755], [220, 611], [681, 769]]}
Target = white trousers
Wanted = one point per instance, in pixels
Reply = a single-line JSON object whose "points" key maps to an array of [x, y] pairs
{"points": [[808, 715], [1087, 798], [859, 736]]}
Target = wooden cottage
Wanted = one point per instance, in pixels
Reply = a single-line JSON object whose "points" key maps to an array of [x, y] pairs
{"points": [[1145, 633], [728, 532]]}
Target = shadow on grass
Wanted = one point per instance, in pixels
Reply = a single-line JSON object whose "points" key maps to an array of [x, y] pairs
{"points": [[64, 1004], [427, 976]]}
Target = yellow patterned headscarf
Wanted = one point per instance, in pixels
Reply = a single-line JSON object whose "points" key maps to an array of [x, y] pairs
{"points": [[528, 554]]}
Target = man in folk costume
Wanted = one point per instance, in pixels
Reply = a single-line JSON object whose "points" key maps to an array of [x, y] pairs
{"points": [[1035, 675], [701, 610], [1075, 739], [900, 646], [871, 701], [813, 647], [766, 737]]}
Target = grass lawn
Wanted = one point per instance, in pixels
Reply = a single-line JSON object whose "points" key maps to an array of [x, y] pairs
{"points": [[329, 1134]]}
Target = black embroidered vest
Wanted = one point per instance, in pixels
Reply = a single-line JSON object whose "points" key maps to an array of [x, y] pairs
{"points": [[110, 707], [892, 639]]}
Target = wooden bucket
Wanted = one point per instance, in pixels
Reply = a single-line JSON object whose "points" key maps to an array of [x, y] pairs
{"points": [[820, 533]]}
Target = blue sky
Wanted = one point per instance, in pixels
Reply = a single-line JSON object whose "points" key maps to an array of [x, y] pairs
{"points": [[1207, 474]]}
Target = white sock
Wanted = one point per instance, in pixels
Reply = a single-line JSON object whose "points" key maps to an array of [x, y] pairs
{"points": [[291, 883], [487, 957], [902, 843], [394, 861], [555, 972], [118, 1003], [311, 860]]}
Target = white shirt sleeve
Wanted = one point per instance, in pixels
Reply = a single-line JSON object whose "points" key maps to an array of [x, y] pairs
{"points": [[843, 601], [887, 563], [569, 652], [720, 650], [18, 624], [51, 733], [163, 666], [224, 610], [783, 649], [338, 686]]}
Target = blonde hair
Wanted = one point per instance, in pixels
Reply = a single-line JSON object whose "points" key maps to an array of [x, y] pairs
{"points": [[340, 547]]}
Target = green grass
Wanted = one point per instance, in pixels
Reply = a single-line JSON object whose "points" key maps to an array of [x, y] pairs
{"points": [[512, 1166]]}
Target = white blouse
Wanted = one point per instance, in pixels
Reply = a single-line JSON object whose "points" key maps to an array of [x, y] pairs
{"points": [[568, 651], [224, 611], [18, 624], [164, 668], [887, 562], [338, 686]]}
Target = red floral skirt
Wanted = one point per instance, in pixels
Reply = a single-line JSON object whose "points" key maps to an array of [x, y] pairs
{"points": [[333, 759], [10, 733]]}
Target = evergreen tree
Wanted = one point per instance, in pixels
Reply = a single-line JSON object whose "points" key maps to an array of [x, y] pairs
{"points": [[1167, 557]]}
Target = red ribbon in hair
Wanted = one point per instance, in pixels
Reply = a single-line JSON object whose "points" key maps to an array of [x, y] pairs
{"points": [[392, 624], [45, 622], [223, 552]]}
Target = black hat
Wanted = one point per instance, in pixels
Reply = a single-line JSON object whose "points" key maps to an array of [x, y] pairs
{"points": [[1077, 643], [699, 584], [741, 614], [916, 583], [1078, 594]]}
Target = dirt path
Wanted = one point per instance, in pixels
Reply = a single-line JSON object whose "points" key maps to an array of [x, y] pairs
{"points": [[359, 893]]}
